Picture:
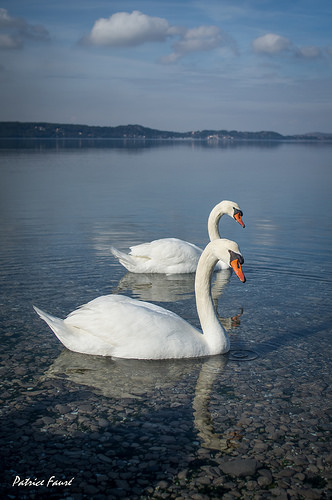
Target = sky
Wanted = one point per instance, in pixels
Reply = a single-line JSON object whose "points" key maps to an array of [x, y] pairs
{"points": [[176, 65]]}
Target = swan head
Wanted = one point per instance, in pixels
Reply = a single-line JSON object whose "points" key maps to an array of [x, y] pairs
{"points": [[235, 212], [228, 251], [232, 209], [238, 214]]}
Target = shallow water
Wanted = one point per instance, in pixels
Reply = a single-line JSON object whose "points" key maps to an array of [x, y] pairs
{"points": [[63, 205]]}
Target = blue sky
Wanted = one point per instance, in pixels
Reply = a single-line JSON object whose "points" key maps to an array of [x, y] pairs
{"points": [[172, 65]]}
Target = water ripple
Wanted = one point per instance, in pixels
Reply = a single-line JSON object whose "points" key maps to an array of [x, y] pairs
{"points": [[242, 355]]}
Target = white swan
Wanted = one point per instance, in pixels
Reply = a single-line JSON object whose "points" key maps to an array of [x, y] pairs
{"points": [[116, 325], [172, 255]]}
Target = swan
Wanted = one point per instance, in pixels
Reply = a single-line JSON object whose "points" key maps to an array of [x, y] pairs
{"points": [[122, 327], [172, 255]]}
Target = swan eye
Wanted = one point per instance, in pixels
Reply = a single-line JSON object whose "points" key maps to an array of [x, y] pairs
{"points": [[237, 212], [236, 256]]}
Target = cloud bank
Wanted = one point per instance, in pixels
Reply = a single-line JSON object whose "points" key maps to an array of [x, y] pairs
{"points": [[15, 30], [125, 29]]}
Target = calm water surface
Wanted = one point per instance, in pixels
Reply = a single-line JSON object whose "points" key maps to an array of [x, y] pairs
{"points": [[64, 205]]}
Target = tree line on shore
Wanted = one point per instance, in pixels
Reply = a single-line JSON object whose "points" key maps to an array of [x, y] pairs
{"points": [[43, 130]]}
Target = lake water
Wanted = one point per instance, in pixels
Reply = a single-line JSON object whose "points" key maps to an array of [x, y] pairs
{"points": [[63, 204]]}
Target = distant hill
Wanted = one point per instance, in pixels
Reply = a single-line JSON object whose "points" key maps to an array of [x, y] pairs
{"points": [[41, 130]]}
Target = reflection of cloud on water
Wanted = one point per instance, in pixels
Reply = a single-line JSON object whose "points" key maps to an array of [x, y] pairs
{"points": [[266, 232]]}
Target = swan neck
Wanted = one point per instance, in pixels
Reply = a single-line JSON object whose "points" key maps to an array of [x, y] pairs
{"points": [[213, 222], [212, 329]]}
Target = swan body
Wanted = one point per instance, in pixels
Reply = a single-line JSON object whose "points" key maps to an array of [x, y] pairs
{"points": [[119, 326], [172, 255]]}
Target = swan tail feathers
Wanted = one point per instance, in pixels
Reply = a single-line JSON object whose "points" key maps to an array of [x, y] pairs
{"points": [[57, 325], [48, 318], [126, 260]]}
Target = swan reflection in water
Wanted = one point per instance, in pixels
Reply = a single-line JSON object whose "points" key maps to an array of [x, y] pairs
{"points": [[118, 377], [158, 287], [137, 379], [176, 287]]}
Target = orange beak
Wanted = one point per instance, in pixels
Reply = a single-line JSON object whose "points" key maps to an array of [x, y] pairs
{"points": [[238, 270], [238, 218]]}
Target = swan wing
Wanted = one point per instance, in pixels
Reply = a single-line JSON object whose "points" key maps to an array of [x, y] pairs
{"points": [[115, 325], [167, 255]]}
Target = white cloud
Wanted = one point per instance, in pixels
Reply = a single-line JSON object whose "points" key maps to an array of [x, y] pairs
{"points": [[309, 52], [198, 39], [14, 30], [201, 38], [271, 44], [123, 29]]}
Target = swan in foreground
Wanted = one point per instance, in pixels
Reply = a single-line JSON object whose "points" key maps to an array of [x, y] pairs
{"points": [[172, 255], [122, 327]]}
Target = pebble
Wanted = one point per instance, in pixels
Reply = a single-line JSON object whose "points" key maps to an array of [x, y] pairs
{"points": [[240, 467], [265, 478]]}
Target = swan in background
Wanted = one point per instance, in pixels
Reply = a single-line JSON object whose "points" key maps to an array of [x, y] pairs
{"points": [[115, 325], [172, 255]]}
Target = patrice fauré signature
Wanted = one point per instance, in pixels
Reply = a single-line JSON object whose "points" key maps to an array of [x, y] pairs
{"points": [[51, 481]]}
